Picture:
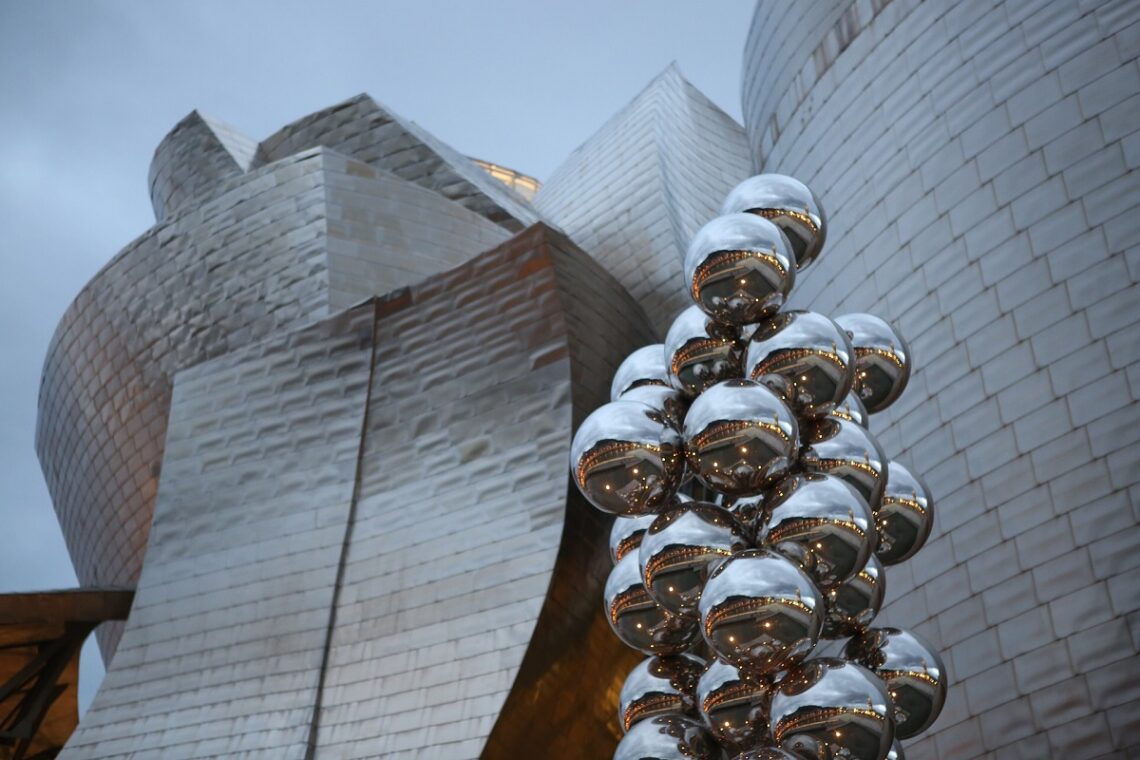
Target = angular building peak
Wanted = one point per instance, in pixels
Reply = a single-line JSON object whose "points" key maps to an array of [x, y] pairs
{"points": [[674, 154], [371, 132], [193, 160]]}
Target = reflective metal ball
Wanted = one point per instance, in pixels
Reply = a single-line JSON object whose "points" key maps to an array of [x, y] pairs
{"points": [[668, 737], [849, 452], [760, 612], [806, 358], [645, 366], [852, 410], [904, 517], [740, 268], [748, 510], [766, 753], [626, 459], [660, 686], [626, 535], [882, 360], [640, 622], [822, 524], [790, 205], [682, 547], [698, 354], [733, 707], [912, 671], [739, 437], [829, 708], [851, 606], [669, 403]]}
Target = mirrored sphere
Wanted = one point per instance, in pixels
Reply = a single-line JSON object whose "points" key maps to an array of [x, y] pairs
{"points": [[882, 360], [625, 459], [682, 547], [668, 737], [699, 354], [852, 410], [739, 437], [660, 686], [829, 708], [822, 524], [766, 753], [790, 205], [734, 708], [760, 612], [640, 622], [740, 268], [904, 517], [851, 606], [645, 366], [748, 511], [670, 403], [912, 671], [849, 452], [806, 358], [626, 534]]}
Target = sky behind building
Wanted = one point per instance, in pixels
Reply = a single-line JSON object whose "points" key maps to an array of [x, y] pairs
{"points": [[90, 88]]}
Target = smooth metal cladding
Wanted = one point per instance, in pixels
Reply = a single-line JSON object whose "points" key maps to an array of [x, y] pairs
{"points": [[635, 193], [356, 541], [977, 165], [289, 242]]}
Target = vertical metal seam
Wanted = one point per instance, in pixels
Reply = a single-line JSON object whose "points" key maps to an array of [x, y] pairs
{"points": [[350, 523]]}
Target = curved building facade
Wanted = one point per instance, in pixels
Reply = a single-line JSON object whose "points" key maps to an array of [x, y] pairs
{"points": [[977, 163], [319, 415]]}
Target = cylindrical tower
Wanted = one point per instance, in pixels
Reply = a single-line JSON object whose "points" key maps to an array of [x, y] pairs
{"points": [[976, 161]]}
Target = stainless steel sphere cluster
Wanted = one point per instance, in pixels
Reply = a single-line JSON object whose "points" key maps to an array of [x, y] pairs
{"points": [[755, 513]]}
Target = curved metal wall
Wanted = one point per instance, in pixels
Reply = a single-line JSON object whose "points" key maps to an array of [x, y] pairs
{"points": [[287, 243], [977, 163], [353, 550]]}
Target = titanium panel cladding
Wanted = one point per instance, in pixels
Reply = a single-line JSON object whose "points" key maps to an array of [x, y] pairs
{"points": [[977, 164]]}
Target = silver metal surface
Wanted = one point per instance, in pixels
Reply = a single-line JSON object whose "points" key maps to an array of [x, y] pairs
{"points": [[766, 753], [806, 358], [700, 353], [668, 737], [851, 606], [627, 533], [852, 409], [639, 621], [790, 205], [822, 524], [740, 268], [626, 459], [284, 245], [660, 686], [645, 366], [635, 193], [669, 402], [846, 450], [905, 517], [882, 360], [829, 708], [682, 547], [761, 612], [739, 437], [912, 671], [734, 708]]}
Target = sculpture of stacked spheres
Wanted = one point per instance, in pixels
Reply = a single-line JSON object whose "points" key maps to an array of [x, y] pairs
{"points": [[756, 515]]}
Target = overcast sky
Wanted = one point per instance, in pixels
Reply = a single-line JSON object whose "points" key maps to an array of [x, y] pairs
{"points": [[88, 89]]}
